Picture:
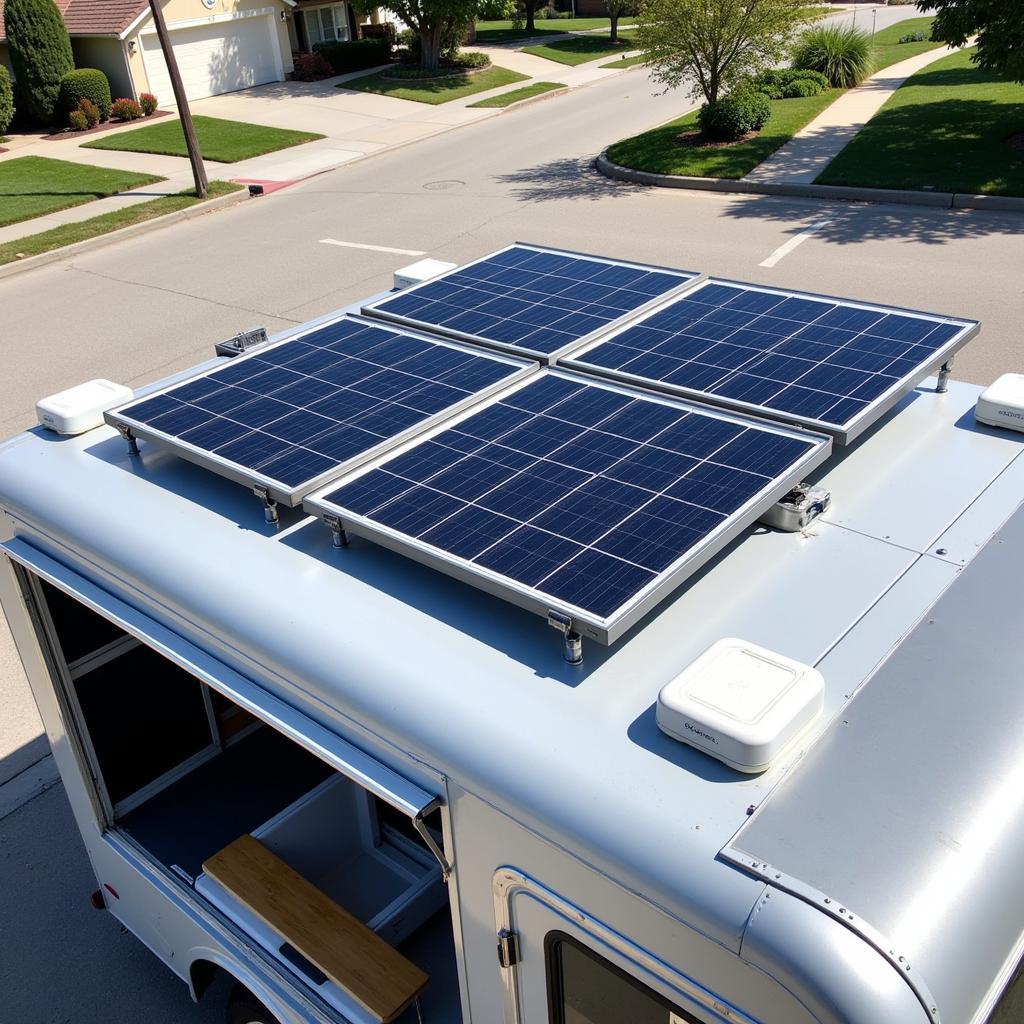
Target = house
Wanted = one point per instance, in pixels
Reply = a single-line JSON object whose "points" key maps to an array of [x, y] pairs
{"points": [[221, 45]]}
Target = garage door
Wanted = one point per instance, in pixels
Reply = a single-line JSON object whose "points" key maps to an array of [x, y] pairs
{"points": [[220, 57]]}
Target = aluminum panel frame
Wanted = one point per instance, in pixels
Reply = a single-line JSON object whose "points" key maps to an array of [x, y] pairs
{"points": [[277, 489], [844, 434], [604, 630], [692, 277]]}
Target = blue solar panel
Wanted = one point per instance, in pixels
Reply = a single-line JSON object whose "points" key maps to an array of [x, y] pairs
{"points": [[526, 299], [581, 493], [824, 362], [290, 414]]}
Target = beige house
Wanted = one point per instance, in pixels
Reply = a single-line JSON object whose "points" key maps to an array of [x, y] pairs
{"points": [[220, 45]]}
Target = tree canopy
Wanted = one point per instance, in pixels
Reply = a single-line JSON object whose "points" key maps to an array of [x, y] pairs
{"points": [[998, 24], [710, 46]]}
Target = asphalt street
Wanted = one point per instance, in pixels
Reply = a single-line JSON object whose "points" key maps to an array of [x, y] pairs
{"points": [[143, 308]]}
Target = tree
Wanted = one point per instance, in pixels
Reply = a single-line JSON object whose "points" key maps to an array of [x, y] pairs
{"points": [[532, 7], [998, 24], [712, 45], [431, 20], [6, 101], [40, 54], [616, 9]]}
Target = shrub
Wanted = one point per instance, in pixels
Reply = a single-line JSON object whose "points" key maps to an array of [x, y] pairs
{"points": [[735, 115], [914, 37], [148, 103], [311, 67], [40, 53], [6, 101], [385, 30], [125, 110], [78, 121], [356, 55], [497, 10], [471, 61], [801, 87], [775, 81], [90, 111], [842, 53], [85, 84]]}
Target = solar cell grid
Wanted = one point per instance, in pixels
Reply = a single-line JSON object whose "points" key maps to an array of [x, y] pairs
{"points": [[582, 492], [824, 362], [530, 300], [290, 413]]}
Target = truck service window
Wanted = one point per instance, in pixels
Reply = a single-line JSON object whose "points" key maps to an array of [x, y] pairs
{"points": [[584, 988]]}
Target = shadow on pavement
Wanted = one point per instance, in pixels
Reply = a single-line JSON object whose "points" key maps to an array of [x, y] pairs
{"points": [[567, 178]]}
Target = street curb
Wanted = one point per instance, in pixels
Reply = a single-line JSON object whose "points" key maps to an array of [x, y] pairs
{"points": [[154, 223], [848, 193], [532, 99]]}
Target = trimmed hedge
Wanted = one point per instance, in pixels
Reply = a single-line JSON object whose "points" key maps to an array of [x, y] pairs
{"points": [[781, 83], [735, 115], [356, 55], [6, 100], [40, 53], [85, 84]]}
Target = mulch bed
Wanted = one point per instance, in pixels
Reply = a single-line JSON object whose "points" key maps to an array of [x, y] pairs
{"points": [[66, 133], [443, 73], [694, 140]]}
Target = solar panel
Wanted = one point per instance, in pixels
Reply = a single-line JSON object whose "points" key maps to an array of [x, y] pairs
{"points": [[531, 300], [830, 364], [289, 415], [574, 495]]}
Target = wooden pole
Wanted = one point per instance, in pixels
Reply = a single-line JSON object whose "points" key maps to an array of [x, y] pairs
{"points": [[191, 142]]}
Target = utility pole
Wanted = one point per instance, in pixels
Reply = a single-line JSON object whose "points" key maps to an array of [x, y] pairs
{"points": [[191, 142]]}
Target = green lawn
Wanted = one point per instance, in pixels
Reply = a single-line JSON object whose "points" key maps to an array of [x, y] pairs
{"points": [[889, 49], [944, 129], [66, 234], [581, 49], [506, 98], [224, 141], [658, 150], [31, 186], [626, 62], [436, 90], [491, 32]]}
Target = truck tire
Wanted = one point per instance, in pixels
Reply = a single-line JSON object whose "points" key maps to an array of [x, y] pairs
{"points": [[245, 1008]]}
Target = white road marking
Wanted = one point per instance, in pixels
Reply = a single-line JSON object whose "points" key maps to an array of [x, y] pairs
{"points": [[372, 248], [787, 247]]}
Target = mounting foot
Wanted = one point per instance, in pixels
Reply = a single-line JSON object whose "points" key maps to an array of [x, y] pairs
{"points": [[572, 650], [943, 385], [339, 538], [126, 433], [270, 513]]}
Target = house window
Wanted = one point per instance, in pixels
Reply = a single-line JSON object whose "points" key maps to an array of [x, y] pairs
{"points": [[584, 988], [326, 24]]}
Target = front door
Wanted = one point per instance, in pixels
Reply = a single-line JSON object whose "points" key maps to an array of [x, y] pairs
{"points": [[569, 968]]}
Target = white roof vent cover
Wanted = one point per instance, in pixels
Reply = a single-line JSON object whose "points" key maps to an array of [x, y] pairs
{"points": [[740, 703]]}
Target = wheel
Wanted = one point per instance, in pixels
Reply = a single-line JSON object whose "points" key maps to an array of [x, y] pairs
{"points": [[245, 1008]]}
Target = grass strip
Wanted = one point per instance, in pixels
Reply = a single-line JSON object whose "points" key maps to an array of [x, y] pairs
{"points": [[33, 186], [221, 140], [946, 129], [525, 93], [659, 151], [68, 234], [491, 32], [580, 49], [888, 48], [436, 90], [626, 62]]}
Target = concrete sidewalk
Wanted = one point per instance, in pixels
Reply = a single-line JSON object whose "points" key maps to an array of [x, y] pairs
{"points": [[813, 148]]}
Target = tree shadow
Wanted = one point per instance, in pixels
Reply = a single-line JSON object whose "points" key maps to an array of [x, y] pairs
{"points": [[565, 178]]}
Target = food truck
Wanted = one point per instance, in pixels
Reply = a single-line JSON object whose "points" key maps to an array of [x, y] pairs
{"points": [[549, 639]]}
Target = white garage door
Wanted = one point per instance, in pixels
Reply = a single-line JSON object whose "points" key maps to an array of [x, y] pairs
{"points": [[220, 57]]}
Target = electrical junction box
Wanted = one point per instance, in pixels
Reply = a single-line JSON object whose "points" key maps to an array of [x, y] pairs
{"points": [[1001, 404], [82, 407], [740, 703], [417, 273]]}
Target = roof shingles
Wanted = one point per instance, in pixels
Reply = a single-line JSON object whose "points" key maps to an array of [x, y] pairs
{"points": [[93, 17]]}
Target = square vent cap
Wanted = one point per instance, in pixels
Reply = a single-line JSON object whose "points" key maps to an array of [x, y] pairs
{"points": [[740, 703]]}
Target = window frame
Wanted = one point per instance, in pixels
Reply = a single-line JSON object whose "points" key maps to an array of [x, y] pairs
{"points": [[554, 979], [339, 21]]}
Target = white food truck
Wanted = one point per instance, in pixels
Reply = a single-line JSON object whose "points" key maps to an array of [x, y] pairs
{"points": [[554, 640]]}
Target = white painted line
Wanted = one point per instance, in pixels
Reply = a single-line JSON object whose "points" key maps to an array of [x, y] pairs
{"points": [[372, 248], [787, 247]]}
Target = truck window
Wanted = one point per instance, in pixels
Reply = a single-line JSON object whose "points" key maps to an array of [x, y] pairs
{"points": [[1010, 1008], [584, 988]]}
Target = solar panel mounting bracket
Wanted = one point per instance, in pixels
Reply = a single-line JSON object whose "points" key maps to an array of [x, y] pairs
{"points": [[270, 513], [339, 537], [130, 439], [797, 509], [573, 648], [242, 342], [942, 385]]}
